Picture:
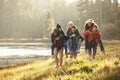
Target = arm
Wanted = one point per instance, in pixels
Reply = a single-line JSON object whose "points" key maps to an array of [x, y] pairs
{"points": [[85, 33], [52, 38]]}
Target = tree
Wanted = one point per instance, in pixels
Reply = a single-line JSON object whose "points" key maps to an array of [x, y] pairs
{"points": [[116, 15], [83, 12], [49, 25]]}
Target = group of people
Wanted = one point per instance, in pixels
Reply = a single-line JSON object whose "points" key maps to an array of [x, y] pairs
{"points": [[72, 39]]}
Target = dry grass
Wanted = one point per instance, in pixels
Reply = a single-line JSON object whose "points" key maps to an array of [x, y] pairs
{"points": [[102, 68]]}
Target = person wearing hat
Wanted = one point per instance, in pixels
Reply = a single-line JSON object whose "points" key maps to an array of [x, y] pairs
{"points": [[53, 35], [74, 36], [64, 38], [90, 25], [69, 28], [93, 39], [58, 45]]}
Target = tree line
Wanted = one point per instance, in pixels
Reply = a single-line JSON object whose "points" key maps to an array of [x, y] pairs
{"points": [[106, 14], [37, 18], [33, 18]]}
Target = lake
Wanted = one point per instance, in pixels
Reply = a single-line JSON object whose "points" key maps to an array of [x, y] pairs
{"points": [[12, 53]]}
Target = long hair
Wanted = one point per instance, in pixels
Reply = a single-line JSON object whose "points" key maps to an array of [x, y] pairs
{"points": [[86, 26]]}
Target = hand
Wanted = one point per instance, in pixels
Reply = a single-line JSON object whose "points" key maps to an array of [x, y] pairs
{"points": [[73, 35], [91, 32], [57, 38], [70, 36], [87, 31]]}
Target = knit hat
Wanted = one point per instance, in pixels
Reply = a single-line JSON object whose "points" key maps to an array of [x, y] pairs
{"points": [[70, 22], [58, 26], [90, 20]]}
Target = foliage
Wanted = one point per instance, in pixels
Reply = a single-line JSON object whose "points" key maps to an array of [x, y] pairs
{"points": [[103, 12]]}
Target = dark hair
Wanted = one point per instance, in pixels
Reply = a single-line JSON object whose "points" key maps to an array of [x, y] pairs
{"points": [[87, 26], [58, 26], [73, 27], [92, 25]]}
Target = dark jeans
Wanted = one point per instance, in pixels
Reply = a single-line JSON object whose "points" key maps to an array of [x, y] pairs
{"points": [[101, 45], [86, 43], [65, 46], [74, 47], [52, 49], [94, 47]]}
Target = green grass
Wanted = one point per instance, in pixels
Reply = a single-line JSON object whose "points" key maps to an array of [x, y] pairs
{"points": [[102, 68]]}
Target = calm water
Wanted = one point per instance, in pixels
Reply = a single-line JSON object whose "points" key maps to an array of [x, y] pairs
{"points": [[25, 50]]}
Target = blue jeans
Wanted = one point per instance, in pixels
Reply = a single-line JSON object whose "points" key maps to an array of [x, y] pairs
{"points": [[74, 47], [68, 45], [74, 53], [79, 44]]}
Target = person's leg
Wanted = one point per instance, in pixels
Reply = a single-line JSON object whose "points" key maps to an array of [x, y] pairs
{"points": [[101, 46], [65, 46], [52, 51], [75, 54], [68, 45], [71, 54], [79, 45], [61, 57], [86, 45], [94, 50], [56, 57], [90, 51]]}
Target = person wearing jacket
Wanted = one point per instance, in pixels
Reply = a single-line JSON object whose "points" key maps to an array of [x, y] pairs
{"points": [[58, 43], [89, 23], [93, 40], [53, 35], [63, 37], [69, 27], [74, 36]]}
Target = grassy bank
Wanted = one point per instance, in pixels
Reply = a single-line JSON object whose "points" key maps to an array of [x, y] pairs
{"points": [[102, 68]]}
